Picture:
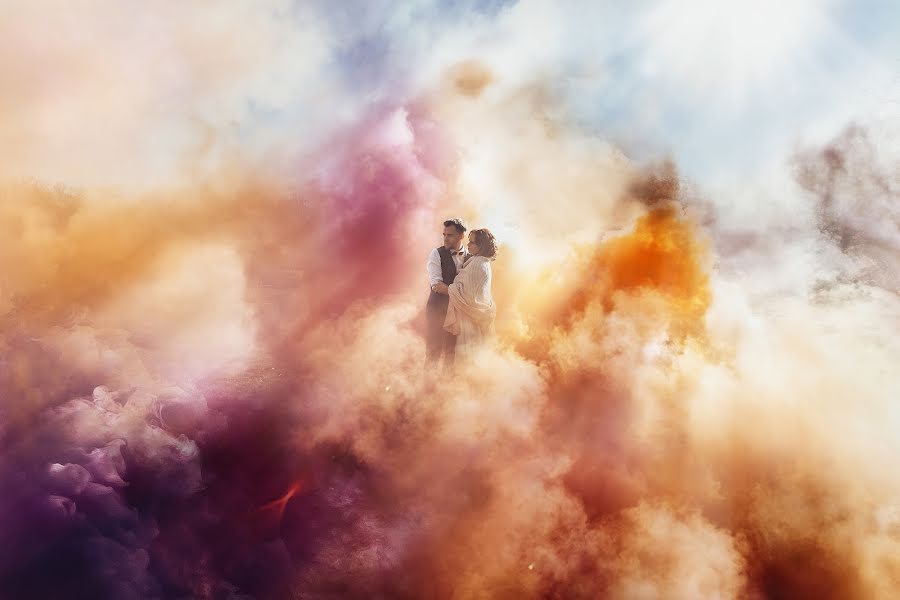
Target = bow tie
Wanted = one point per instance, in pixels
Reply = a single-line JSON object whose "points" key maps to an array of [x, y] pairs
{"points": [[455, 253]]}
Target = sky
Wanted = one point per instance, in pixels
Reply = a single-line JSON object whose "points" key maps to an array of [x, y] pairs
{"points": [[214, 223]]}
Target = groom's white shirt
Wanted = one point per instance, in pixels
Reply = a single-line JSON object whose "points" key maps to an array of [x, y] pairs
{"points": [[434, 264]]}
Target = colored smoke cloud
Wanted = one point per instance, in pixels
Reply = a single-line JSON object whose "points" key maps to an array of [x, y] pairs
{"points": [[211, 360]]}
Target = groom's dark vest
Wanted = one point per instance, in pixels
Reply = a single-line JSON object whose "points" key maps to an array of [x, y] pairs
{"points": [[437, 303]]}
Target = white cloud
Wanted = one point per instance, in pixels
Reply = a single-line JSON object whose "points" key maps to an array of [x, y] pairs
{"points": [[139, 95]]}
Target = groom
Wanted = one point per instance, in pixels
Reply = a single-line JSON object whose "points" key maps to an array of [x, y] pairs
{"points": [[443, 264]]}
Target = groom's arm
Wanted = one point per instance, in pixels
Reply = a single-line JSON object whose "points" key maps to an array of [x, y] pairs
{"points": [[435, 277]]}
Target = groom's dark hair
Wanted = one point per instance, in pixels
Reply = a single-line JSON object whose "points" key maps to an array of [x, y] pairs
{"points": [[460, 226]]}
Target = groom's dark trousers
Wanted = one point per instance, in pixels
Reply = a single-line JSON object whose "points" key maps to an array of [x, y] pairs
{"points": [[437, 341]]}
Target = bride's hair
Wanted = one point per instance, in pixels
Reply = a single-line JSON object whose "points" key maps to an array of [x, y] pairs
{"points": [[487, 245]]}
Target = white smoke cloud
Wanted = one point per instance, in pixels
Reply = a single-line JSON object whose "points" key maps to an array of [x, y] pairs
{"points": [[137, 96]]}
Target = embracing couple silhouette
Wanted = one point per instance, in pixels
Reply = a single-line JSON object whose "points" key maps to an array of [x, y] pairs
{"points": [[460, 311]]}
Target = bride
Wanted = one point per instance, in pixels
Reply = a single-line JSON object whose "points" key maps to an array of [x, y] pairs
{"points": [[471, 312]]}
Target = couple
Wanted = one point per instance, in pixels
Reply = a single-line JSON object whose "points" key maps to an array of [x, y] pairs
{"points": [[460, 310]]}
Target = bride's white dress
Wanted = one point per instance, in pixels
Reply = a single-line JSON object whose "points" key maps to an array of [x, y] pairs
{"points": [[471, 312]]}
